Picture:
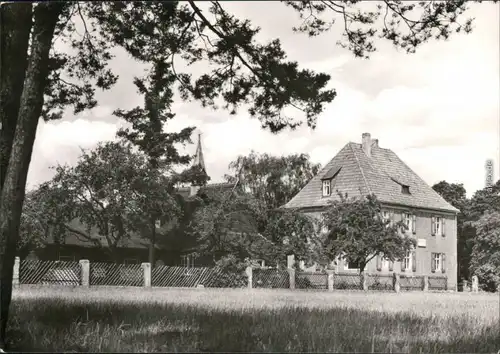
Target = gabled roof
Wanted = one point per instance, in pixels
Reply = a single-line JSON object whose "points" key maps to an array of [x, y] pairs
{"points": [[383, 174]]}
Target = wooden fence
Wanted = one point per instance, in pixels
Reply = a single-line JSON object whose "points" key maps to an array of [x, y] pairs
{"points": [[84, 273]]}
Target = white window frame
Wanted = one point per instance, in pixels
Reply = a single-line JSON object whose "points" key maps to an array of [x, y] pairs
{"points": [[438, 225], [386, 216], [384, 263], [408, 262], [438, 262], [327, 188], [408, 219]]}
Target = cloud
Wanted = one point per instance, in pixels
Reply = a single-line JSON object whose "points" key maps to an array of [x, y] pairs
{"points": [[437, 109], [61, 143]]}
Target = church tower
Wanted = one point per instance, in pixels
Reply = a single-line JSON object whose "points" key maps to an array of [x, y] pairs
{"points": [[198, 157], [198, 160]]}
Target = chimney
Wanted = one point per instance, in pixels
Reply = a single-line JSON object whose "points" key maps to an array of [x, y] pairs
{"points": [[366, 142]]}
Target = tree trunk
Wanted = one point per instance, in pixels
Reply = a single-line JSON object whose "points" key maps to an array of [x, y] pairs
{"points": [[152, 244], [15, 33], [46, 16]]}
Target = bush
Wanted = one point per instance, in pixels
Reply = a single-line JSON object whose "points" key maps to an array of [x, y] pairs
{"points": [[489, 280], [232, 273]]}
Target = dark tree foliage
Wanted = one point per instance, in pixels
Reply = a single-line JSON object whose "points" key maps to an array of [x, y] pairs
{"points": [[273, 179], [406, 24]]}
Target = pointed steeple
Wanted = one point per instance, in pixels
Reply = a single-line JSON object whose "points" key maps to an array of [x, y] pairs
{"points": [[198, 161], [198, 158]]}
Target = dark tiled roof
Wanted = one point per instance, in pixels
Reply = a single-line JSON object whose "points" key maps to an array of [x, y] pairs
{"points": [[332, 172], [135, 240], [361, 175]]}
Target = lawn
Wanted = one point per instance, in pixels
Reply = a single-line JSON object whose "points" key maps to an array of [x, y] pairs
{"points": [[152, 320]]}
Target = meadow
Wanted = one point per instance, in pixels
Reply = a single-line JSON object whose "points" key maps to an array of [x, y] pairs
{"points": [[103, 319]]}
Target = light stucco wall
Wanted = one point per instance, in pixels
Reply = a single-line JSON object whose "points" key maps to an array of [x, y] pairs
{"points": [[434, 244]]}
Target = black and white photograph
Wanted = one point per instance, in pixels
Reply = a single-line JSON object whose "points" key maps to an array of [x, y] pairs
{"points": [[250, 176]]}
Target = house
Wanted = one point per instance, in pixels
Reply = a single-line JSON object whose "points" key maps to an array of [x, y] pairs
{"points": [[364, 168], [135, 249]]}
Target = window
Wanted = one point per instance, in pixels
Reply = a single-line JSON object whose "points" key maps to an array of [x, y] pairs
{"points": [[437, 262], [327, 188], [386, 216], [405, 189], [410, 222], [407, 264], [188, 261], [351, 265], [382, 263], [437, 226]]}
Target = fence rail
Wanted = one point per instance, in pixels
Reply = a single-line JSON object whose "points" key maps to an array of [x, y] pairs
{"points": [[49, 272], [270, 278], [84, 273], [311, 280], [116, 274]]}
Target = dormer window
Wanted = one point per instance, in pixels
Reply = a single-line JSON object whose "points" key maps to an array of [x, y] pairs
{"points": [[327, 179], [327, 188], [405, 189]]}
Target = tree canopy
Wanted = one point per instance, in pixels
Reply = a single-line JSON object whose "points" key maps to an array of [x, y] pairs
{"points": [[485, 260], [111, 192], [272, 179], [354, 229]]}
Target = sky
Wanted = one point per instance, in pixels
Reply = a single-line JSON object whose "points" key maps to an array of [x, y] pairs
{"points": [[437, 109]]}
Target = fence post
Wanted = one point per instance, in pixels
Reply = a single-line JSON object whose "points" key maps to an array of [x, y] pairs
{"points": [[146, 267], [290, 260], [395, 281], [330, 279], [475, 284], [364, 283], [465, 286], [15, 275], [85, 272], [426, 283], [249, 273], [291, 273]]}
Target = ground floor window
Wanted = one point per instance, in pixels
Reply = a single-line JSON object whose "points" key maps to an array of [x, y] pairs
{"points": [[437, 262], [188, 261], [407, 266], [351, 265]]}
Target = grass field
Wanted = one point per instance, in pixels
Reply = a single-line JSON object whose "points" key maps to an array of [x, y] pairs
{"points": [[152, 320]]}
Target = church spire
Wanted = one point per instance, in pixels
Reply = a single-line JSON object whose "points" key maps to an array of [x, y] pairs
{"points": [[198, 158]]}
